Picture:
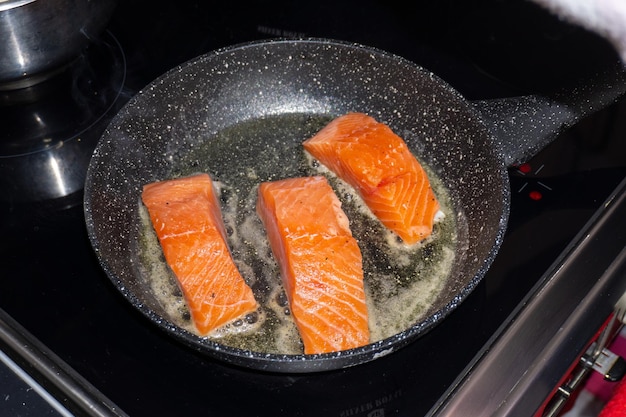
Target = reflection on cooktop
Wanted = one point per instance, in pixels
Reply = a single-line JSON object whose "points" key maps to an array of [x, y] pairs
{"points": [[57, 109], [51, 128]]}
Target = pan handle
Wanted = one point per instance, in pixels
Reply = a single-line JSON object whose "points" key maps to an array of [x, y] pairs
{"points": [[524, 125]]}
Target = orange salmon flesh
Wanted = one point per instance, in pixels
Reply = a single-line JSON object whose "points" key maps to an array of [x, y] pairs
{"points": [[186, 217], [378, 164], [320, 262]]}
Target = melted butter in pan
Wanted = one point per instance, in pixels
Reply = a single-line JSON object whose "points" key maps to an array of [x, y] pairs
{"points": [[401, 282]]}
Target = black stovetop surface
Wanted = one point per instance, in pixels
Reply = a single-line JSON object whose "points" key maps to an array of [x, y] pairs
{"points": [[52, 284]]}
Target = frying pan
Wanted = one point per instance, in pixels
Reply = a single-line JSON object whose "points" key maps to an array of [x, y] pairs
{"points": [[260, 85]]}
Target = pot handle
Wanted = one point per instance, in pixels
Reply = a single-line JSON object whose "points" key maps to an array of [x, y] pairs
{"points": [[524, 125]]}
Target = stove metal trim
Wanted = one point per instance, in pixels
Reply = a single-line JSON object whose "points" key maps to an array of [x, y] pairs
{"points": [[520, 366], [60, 380]]}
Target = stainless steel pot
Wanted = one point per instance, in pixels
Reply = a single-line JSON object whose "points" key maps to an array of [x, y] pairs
{"points": [[41, 36]]}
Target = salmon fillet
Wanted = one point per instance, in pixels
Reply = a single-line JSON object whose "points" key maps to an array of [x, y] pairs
{"points": [[320, 262], [186, 217], [370, 157]]}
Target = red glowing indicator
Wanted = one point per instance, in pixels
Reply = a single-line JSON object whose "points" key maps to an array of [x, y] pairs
{"points": [[535, 195], [525, 168]]}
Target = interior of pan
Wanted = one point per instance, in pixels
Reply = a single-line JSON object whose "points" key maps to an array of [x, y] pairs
{"points": [[157, 135]]}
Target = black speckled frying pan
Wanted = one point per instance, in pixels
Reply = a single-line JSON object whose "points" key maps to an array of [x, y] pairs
{"points": [[241, 113]]}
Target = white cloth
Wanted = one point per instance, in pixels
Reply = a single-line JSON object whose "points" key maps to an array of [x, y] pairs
{"points": [[604, 17]]}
